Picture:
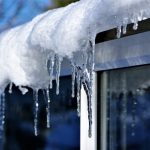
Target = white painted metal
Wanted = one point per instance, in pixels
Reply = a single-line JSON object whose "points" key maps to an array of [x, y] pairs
{"points": [[129, 51], [87, 143], [103, 111]]}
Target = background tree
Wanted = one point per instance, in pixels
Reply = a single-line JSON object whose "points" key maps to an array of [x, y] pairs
{"points": [[60, 3]]}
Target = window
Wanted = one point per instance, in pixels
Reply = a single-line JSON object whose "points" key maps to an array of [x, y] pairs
{"points": [[64, 133], [124, 120]]}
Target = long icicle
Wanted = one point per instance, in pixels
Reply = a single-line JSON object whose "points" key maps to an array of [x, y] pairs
{"points": [[48, 108], [36, 105], [2, 114], [3, 110], [89, 95], [87, 90], [58, 68], [78, 80]]}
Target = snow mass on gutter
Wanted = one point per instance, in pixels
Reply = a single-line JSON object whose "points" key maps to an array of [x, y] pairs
{"points": [[31, 54]]}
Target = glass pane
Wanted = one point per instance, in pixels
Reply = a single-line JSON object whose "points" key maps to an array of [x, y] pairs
{"points": [[128, 111], [64, 133]]}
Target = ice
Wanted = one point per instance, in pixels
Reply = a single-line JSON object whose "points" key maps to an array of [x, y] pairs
{"points": [[124, 30], [78, 79], [73, 80], [2, 113], [36, 109], [3, 109], [119, 30], [58, 68], [135, 26], [51, 69], [64, 32], [48, 108], [1, 116], [10, 88]]}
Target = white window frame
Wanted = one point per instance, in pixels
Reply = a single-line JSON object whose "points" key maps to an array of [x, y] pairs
{"points": [[87, 143], [132, 51]]}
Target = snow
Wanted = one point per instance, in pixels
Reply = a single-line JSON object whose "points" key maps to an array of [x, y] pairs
{"points": [[29, 53]]}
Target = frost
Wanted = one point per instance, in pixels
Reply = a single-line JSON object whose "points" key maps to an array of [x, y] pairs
{"points": [[31, 54]]}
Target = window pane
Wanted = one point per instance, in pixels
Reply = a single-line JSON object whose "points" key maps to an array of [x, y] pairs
{"points": [[128, 109], [64, 133]]}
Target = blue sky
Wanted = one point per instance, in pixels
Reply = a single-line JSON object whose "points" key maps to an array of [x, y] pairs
{"points": [[27, 12]]}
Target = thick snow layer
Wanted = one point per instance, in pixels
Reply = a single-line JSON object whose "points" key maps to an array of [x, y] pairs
{"points": [[63, 31], [31, 54]]}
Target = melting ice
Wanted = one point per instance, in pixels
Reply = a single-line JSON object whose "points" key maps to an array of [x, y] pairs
{"points": [[64, 32]]}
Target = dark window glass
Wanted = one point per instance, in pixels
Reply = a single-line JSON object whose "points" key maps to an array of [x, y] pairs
{"points": [[64, 133], [128, 109]]}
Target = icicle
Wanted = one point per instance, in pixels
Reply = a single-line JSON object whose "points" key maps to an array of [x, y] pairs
{"points": [[135, 26], [51, 68], [90, 113], [3, 109], [91, 63], [73, 79], [118, 32], [36, 104], [10, 88], [124, 30], [124, 27], [89, 96], [78, 80], [58, 68], [89, 99], [48, 108], [88, 80], [2, 114]]}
